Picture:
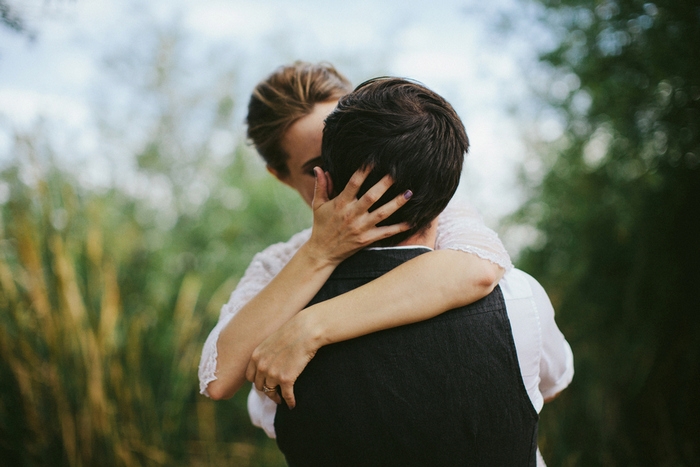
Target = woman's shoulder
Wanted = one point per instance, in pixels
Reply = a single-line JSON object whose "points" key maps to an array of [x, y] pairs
{"points": [[275, 256], [293, 244]]}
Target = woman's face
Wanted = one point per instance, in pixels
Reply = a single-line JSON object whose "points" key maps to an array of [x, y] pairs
{"points": [[302, 143]]}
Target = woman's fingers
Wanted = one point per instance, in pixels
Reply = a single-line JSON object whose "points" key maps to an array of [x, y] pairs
{"points": [[287, 391], [273, 390], [320, 188], [275, 397], [371, 219], [251, 371], [373, 194], [390, 207], [276, 392], [269, 387], [345, 224], [259, 381], [386, 231], [349, 193], [273, 387], [255, 374]]}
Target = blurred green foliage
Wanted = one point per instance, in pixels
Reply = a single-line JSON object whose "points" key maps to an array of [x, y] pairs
{"points": [[104, 310], [619, 215], [109, 288]]}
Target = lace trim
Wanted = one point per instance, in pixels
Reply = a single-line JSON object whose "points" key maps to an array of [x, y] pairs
{"points": [[495, 258], [461, 227]]}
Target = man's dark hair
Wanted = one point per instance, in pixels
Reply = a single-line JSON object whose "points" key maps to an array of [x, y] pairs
{"points": [[401, 128]]}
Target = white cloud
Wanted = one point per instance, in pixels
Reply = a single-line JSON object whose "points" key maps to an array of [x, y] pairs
{"points": [[431, 67], [221, 20]]}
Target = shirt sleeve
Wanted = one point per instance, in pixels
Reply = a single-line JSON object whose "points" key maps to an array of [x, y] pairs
{"points": [[264, 267], [557, 359], [461, 227]]}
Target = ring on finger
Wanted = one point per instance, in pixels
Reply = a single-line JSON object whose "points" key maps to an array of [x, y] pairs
{"points": [[268, 390]]}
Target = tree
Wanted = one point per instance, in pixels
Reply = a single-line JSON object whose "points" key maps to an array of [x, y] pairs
{"points": [[619, 215]]}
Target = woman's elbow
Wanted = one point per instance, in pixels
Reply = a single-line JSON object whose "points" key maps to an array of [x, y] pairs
{"points": [[490, 276], [215, 392], [482, 279], [219, 391]]}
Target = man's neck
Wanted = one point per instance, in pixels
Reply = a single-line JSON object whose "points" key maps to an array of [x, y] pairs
{"points": [[426, 237]]}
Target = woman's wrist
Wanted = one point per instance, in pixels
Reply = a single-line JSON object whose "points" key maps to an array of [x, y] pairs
{"points": [[317, 259], [312, 327]]}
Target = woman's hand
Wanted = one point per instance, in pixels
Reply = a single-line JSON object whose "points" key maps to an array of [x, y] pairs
{"points": [[344, 225], [279, 360]]}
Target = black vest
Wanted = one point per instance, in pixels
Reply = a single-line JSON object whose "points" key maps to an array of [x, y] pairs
{"points": [[443, 392]]}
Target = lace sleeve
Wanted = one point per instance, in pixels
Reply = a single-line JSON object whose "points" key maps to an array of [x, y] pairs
{"points": [[264, 267], [460, 227]]}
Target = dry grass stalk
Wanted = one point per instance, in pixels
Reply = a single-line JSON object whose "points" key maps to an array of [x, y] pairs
{"points": [[99, 384]]}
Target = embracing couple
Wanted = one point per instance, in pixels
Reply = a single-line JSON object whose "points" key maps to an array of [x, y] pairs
{"points": [[395, 331]]}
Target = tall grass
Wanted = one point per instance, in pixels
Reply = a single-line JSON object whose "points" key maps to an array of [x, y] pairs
{"points": [[100, 335]]}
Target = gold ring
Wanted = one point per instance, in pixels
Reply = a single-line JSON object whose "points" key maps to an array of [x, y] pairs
{"points": [[267, 390]]}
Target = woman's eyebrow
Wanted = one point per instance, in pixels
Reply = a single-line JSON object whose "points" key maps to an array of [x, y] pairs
{"points": [[311, 163]]}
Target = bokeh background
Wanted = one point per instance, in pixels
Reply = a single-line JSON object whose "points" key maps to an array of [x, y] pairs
{"points": [[131, 204]]}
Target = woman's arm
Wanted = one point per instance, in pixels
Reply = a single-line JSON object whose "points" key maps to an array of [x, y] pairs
{"points": [[341, 227], [416, 290], [262, 269]]}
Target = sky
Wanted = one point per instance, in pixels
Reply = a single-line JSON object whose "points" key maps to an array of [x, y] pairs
{"points": [[460, 49]]}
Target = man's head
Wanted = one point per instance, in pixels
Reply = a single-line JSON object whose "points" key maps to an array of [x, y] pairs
{"points": [[401, 128]]}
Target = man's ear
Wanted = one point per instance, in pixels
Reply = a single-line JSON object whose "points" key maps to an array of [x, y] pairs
{"points": [[329, 185]]}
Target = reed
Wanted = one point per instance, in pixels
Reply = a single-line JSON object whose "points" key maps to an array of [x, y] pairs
{"points": [[96, 367]]}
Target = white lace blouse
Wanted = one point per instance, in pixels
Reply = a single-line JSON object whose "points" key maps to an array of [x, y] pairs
{"points": [[460, 227]]}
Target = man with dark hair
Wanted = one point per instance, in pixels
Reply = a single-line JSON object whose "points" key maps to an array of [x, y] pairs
{"points": [[442, 392], [406, 130]]}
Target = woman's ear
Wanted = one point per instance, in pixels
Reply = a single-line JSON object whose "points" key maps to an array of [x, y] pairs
{"points": [[273, 172], [278, 175]]}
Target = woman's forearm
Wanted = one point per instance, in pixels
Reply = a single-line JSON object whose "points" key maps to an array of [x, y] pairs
{"points": [[422, 288], [342, 226], [419, 289], [294, 286]]}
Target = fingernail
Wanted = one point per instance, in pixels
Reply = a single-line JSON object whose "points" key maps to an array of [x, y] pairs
{"points": [[407, 194]]}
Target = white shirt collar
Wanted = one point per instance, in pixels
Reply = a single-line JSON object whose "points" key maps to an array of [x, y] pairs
{"points": [[400, 247]]}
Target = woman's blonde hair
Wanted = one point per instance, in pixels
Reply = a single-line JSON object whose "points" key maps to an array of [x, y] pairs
{"points": [[288, 94]]}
